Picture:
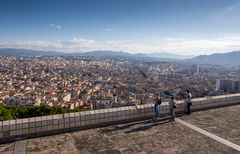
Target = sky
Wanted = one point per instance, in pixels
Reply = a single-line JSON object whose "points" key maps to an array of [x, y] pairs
{"points": [[187, 27]]}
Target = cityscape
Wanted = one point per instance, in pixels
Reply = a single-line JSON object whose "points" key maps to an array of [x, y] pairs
{"points": [[119, 77], [95, 83]]}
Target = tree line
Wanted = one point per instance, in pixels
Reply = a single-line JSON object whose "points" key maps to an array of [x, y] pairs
{"points": [[9, 113]]}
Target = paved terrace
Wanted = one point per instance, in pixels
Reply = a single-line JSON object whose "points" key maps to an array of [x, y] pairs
{"points": [[144, 137]]}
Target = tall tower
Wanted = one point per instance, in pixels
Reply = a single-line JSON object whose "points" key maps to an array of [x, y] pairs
{"points": [[197, 69], [218, 84]]}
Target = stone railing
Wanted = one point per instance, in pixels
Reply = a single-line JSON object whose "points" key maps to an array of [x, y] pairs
{"points": [[47, 125]]}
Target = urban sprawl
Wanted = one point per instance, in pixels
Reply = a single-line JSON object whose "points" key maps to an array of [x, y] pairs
{"points": [[94, 83]]}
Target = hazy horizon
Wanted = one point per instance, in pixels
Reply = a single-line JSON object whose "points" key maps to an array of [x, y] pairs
{"points": [[148, 53], [139, 26]]}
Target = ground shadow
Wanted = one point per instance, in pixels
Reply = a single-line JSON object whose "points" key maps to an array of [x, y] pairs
{"points": [[144, 125], [147, 126]]}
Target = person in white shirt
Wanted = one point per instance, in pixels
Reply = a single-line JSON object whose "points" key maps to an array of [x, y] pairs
{"points": [[189, 101]]}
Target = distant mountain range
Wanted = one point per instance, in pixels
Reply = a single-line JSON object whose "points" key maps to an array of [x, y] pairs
{"points": [[170, 55], [26, 52], [99, 53], [230, 58]]}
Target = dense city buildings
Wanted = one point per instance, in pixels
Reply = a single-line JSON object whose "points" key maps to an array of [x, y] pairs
{"points": [[227, 85], [93, 83]]}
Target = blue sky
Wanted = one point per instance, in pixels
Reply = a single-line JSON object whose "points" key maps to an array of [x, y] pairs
{"points": [[137, 26]]}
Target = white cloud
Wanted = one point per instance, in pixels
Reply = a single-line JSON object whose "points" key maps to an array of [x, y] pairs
{"points": [[54, 26], [108, 29], [77, 41], [173, 45], [202, 46]]}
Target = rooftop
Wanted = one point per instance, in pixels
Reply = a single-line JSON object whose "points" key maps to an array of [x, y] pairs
{"points": [[144, 136]]}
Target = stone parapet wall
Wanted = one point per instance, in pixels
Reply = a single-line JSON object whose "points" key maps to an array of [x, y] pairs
{"points": [[46, 125]]}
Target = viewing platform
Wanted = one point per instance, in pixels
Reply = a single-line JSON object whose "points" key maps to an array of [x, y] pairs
{"points": [[131, 130]]}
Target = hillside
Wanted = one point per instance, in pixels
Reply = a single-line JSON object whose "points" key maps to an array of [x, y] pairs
{"points": [[26, 52], [230, 58]]}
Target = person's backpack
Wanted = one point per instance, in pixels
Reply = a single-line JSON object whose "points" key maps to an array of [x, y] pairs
{"points": [[159, 101]]}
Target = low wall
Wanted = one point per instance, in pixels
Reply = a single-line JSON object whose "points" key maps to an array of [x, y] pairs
{"points": [[46, 125]]}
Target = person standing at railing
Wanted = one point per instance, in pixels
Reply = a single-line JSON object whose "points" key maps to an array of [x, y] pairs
{"points": [[157, 102], [188, 101], [172, 107]]}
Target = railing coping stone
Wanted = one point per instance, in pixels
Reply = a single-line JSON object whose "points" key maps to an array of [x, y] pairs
{"points": [[125, 108]]}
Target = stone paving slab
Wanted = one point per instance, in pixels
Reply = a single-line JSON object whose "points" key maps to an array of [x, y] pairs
{"points": [[6, 148], [144, 137], [161, 137], [20, 147], [223, 122], [210, 135]]}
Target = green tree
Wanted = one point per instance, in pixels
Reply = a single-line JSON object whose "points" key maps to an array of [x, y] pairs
{"points": [[5, 114], [8, 113]]}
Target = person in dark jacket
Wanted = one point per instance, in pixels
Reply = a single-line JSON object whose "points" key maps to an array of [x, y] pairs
{"points": [[157, 102]]}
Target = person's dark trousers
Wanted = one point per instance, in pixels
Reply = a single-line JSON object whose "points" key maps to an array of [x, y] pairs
{"points": [[188, 108], [157, 112]]}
